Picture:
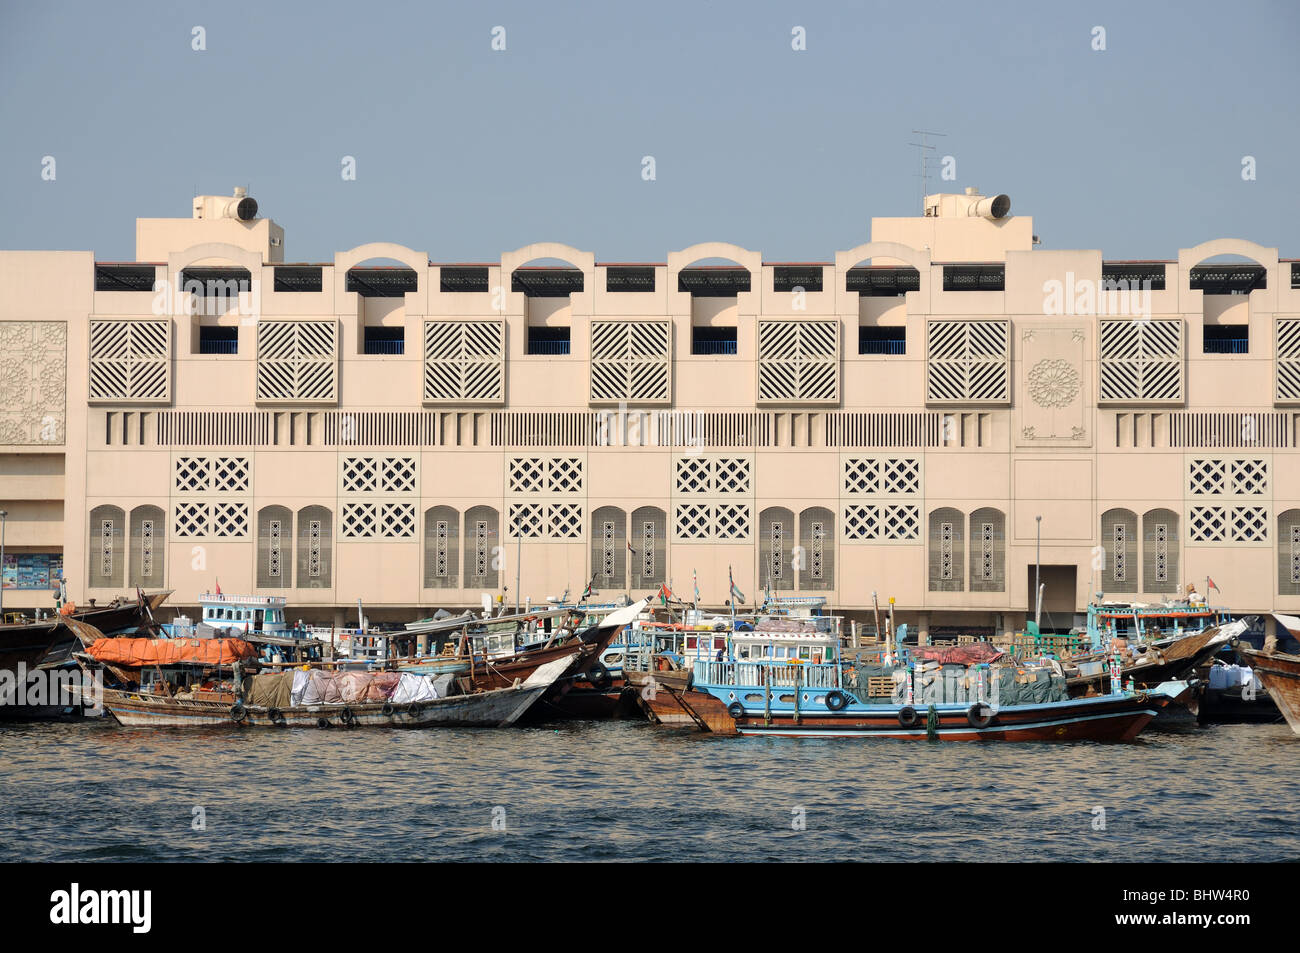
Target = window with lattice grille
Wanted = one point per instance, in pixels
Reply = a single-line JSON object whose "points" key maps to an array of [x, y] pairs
{"points": [[988, 550], [947, 542], [798, 362], [1288, 553], [1287, 368], [441, 534], [1119, 543], [213, 520], [297, 362], [544, 475], [1141, 361], [147, 555], [315, 547], [211, 474], [130, 361], [107, 525], [464, 362], [967, 362], [1160, 551], [631, 361], [482, 548], [776, 544], [720, 475], [610, 546]]}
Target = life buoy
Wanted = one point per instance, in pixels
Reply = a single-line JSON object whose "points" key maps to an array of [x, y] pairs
{"points": [[599, 676], [736, 710], [979, 715], [907, 716], [275, 716], [238, 712], [836, 700]]}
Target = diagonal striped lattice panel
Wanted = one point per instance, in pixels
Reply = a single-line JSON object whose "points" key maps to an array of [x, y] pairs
{"points": [[967, 362], [130, 361], [464, 362], [799, 362], [631, 361], [1141, 361], [1287, 384], [297, 361]]}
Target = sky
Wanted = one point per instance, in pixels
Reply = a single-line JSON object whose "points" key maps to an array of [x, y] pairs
{"points": [[466, 151]]}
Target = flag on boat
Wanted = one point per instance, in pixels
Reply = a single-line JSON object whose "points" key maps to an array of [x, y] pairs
{"points": [[218, 587], [586, 593], [736, 594], [665, 593], [630, 549], [1209, 584]]}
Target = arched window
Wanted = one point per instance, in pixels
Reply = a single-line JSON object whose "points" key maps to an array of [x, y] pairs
{"points": [[1160, 551], [648, 536], [988, 550], [1288, 553], [482, 538], [107, 546], [274, 547], [1119, 541], [441, 547], [817, 537], [776, 548], [148, 543], [609, 545], [947, 527], [315, 547]]}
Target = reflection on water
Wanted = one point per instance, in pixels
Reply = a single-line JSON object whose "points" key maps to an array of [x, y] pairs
{"points": [[628, 791]]}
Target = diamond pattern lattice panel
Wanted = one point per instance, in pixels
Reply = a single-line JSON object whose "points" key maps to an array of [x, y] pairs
{"points": [[464, 362], [967, 362], [297, 362], [1141, 361], [798, 362], [130, 361], [631, 361]]}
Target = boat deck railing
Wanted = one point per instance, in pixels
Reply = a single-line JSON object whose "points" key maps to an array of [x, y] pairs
{"points": [[768, 673]]}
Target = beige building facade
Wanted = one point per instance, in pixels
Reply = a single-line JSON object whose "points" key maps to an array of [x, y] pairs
{"points": [[928, 416]]}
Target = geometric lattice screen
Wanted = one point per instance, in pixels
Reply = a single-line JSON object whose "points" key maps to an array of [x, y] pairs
{"points": [[378, 474], [716, 475], [297, 361], [799, 361], [464, 361], [533, 475], [1142, 361], [194, 519], [130, 361], [1287, 385], [206, 474], [711, 521], [630, 361], [967, 362], [872, 475]]}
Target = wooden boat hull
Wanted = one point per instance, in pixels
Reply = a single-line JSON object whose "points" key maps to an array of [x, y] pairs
{"points": [[674, 705], [1183, 656], [1280, 674], [1105, 718], [497, 709]]}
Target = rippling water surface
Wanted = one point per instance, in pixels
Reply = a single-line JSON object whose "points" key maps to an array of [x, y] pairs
{"points": [[631, 792]]}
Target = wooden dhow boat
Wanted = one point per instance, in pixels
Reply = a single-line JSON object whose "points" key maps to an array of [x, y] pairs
{"points": [[200, 682], [1279, 672]]}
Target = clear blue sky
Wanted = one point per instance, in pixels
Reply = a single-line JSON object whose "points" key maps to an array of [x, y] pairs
{"points": [[465, 152]]}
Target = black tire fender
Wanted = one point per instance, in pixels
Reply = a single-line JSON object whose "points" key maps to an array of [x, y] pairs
{"points": [[836, 700], [908, 716], [599, 676], [979, 715], [388, 708], [275, 716], [736, 710], [238, 712]]}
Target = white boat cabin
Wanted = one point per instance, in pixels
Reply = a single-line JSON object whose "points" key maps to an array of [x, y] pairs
{"points": [[244, 613]]}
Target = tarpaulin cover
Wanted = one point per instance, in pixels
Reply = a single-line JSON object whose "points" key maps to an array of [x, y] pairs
{"points": [[972, 654], [381, 686], [270, 690], [136, 653], [300, 681], [413, 688]]}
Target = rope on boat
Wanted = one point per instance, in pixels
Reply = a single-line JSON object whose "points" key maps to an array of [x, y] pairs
{"points": [[932, 724]]}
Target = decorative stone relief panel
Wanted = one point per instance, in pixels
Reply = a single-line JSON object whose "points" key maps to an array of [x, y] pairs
{"points": [[33, 382], [1054, 398]]}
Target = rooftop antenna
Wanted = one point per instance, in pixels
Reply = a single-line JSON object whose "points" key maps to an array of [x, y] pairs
{"points": [[921, 148]]}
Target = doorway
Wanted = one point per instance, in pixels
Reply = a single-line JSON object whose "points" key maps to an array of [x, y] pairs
{"points": [[1059, 591]]}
